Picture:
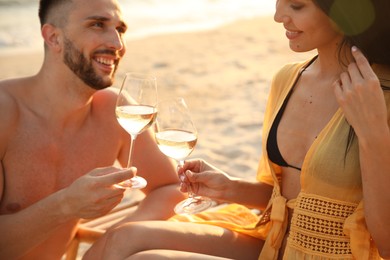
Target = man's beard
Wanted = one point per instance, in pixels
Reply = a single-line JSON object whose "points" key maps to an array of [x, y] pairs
{"points": [[77, 63]]}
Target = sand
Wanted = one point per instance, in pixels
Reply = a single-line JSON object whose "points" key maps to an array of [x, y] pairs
{"points": [[224, 74]]}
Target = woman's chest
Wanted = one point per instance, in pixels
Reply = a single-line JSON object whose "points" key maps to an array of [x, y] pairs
{"points": [[302, 122]]}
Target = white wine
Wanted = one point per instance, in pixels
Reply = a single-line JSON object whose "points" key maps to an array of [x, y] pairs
{"points": [[177, 144], [135, 118]]}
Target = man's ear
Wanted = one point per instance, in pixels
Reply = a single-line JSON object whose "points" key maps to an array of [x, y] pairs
{"points": [[51, 35]]}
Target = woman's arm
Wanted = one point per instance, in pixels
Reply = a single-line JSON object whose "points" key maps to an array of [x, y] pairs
{"points": [[362, 100], [207, 180]]}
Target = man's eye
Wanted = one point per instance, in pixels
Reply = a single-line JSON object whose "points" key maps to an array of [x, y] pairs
{"points": [[97, 24]]}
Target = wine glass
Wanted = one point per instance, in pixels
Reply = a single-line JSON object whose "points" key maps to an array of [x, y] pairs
{"points": [[176, 137], [135, 112]]}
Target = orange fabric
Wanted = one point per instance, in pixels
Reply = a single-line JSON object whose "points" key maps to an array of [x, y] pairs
{"points": [[329, 186], [232, 216], [328, 219]]}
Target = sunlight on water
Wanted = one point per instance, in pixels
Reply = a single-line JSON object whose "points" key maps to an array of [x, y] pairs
{"points": [[19, 23]]}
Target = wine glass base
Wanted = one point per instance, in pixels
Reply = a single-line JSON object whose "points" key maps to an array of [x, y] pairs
{"points": [[134, 183], [194, 205]]}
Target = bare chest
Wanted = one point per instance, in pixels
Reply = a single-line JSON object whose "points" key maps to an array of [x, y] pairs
{"points": [[305, 116], [39, 161]]}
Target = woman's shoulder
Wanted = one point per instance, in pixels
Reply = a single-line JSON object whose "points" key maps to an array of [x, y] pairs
{"points": [[383, 73], [290, 70]]}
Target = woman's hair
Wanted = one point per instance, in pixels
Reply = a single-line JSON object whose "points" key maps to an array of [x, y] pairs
{"points": [[365, 24]]}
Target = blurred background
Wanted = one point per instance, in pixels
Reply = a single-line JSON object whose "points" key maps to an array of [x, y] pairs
{"points": [[19, 23]]}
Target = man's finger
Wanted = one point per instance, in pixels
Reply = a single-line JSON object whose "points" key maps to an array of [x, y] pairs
{"points": [[118, 176]]}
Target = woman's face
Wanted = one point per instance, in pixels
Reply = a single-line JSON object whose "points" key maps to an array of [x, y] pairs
{"points": [[307, 27]]}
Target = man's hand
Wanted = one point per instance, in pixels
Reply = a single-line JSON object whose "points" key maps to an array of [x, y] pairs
{"points": [[95, 193]]}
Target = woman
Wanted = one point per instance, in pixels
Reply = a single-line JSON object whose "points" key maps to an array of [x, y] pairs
{"points": [[324, 174]]}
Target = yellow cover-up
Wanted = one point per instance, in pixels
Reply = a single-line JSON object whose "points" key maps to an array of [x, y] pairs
{"points": [[328, 220]]}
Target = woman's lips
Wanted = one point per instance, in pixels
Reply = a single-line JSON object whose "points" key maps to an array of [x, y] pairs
{"points": [[291, 35]]}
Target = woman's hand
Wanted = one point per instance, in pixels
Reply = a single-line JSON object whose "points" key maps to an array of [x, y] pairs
{"points": [[205, 179], [361, 98]]}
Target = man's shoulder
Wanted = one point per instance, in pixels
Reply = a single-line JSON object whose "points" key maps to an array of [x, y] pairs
{"points": [[105, 96], [8, 99], [104, 101], [9, 109], [12, 89]]}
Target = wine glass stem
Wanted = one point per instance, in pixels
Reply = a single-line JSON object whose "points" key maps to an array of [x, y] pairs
{"points": [[189, 188], [130, 161]]}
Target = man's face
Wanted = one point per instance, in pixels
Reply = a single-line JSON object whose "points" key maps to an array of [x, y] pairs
{"points": [[93, 42], [83, 67]]}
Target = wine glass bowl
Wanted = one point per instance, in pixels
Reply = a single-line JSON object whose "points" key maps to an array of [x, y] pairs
{"points": [[176, 137], [135, 118], [176, 144], [136, 111]]}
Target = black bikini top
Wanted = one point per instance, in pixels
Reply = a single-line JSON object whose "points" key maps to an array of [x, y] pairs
{"points": [[272, 144]]}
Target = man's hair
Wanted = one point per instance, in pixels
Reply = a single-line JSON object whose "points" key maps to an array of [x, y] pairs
{"points": [[53, 11]]}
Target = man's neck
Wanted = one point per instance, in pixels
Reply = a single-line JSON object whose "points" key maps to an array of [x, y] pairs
{"points": [[61, 99]]}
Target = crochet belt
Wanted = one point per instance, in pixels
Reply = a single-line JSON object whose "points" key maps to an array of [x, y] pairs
{"points": [[317, 226]]}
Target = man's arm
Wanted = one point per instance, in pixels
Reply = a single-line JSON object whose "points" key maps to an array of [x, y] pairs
{"points": [[25, 229], [90, 196], [29, 227]]}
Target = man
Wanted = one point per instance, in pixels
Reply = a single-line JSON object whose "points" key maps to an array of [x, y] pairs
{"points": [[59, 136]]}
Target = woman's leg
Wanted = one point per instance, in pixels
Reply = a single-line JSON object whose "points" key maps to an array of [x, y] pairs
{"points": [[160, 254], [131, 238]]}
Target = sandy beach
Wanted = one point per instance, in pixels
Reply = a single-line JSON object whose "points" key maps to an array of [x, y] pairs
{"points": [[224, 74]]}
